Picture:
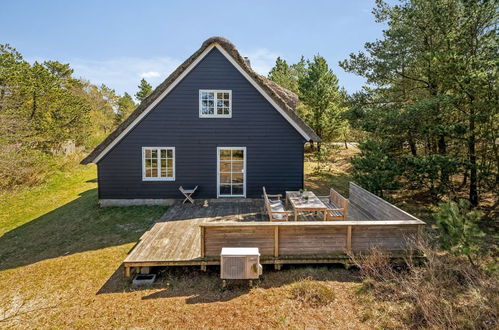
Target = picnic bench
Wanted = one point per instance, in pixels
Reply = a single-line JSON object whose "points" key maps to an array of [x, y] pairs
{"points": [[275, 207], [337, 206]]}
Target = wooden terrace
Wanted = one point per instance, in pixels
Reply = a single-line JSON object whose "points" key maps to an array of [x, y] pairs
{"points": [[193, 234]]}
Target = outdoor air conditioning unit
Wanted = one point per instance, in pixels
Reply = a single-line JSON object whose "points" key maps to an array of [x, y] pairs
{"points": [[240, 264]]}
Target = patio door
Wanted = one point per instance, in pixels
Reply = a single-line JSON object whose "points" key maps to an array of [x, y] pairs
{"points": [[231, 172]]}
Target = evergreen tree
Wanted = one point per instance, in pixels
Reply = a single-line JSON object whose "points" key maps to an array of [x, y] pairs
{"points": [[125, 106], [433, 91], [319, 91], [145, 89]]}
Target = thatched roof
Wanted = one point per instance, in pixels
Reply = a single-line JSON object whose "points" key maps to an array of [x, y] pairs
{"points": [[286, 99]]}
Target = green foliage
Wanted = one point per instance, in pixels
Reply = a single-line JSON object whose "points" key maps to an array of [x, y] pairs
{"points": [[433, 87], [43, 107], [320, 92], [286, 75], [145, 89], [459, 230], [375, 169], [125, 107]]}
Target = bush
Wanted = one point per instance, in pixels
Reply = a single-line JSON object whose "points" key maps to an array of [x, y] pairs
{"points": [[374, 169], [312, 293], [21, 167], [459, 231], [443, 293]]}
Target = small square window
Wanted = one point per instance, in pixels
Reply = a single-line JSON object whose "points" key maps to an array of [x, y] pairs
{"points": [[215, 104]]}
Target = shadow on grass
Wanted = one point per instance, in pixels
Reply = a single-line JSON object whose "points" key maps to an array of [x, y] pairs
{"points": [[198, 287], [77, 226]]}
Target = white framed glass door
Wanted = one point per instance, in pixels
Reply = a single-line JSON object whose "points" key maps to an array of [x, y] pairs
{"points": [[231, 171]]}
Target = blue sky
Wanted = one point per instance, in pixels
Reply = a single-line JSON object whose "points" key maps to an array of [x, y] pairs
{"points": [[119, 42]]}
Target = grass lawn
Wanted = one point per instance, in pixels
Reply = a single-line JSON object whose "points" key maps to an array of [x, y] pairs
{"points": [[60, 258]]}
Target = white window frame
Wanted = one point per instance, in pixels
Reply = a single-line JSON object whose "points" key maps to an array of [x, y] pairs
{"points": [[144, 178], [218, 171], [215, 115]]}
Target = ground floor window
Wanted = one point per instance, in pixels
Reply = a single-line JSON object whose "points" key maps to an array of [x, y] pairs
{"points": [[158, 163]]}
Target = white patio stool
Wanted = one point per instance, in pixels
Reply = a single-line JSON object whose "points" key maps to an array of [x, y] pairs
{"points": [[188, 193]]}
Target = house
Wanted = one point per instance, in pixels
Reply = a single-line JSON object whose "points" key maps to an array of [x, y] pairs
{"points": [[213, 123]]}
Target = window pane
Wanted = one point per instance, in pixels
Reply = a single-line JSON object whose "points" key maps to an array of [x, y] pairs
{"points": [[148, 153], [154, 172], [237, 178], [170, 172], [163, 172], [225, 111], [163, 163], [225, 178], [163, 153], [237, 189], [154, 153], [225, 154], [225, 189], [148, 173], [225, 166], [237, 166], [169, 153], [154, 162], [148, 163], [170, 163], [237, 154]]}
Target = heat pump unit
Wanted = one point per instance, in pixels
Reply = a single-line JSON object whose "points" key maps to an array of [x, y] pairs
{"points": [[240, 264]]}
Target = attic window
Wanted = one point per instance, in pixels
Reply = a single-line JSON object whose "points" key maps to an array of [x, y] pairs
{"points": [[215, 103]]}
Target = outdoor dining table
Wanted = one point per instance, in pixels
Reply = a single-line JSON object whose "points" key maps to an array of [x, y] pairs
{"points": [[306, 201]]}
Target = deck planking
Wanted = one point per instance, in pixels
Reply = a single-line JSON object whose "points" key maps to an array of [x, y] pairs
{"points": [[175, 239]]}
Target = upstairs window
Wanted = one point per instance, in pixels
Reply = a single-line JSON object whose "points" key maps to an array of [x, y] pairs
{"points": [[215, 104], [158, 164]]}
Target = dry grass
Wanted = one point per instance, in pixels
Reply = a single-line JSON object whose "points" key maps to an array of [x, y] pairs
{"points": [[312, 293], [446, 292], [336, 175], [60, 260]]}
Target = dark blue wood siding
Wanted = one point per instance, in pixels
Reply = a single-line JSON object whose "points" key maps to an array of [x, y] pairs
{"points": [[274, 147]]}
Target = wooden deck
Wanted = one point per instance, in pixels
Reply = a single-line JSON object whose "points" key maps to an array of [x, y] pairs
{"points": [[176, 239]]}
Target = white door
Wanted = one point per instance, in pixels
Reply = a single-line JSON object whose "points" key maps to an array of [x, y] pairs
{"points": [[231, 172]]}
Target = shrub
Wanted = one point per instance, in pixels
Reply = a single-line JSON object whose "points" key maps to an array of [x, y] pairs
{"points": [[21, 167], [312, 293], [442, 293], [459, 231], [374, 169]]}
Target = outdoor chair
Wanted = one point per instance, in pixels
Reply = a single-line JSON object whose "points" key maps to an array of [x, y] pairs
{"points": [[188, 193]]}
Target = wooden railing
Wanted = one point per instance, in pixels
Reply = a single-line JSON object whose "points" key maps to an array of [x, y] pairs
{"points": [[376, 206], [281, 239]]}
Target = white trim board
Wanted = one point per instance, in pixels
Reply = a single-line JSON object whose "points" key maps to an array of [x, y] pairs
{"points": [[179, 79]]}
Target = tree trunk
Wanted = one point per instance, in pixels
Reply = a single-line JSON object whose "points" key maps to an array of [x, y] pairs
{"points": [[412, 144], [473, 196], [442, 150]]}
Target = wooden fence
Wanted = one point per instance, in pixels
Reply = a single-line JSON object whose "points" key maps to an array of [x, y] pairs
{"points": [[309, 238]]}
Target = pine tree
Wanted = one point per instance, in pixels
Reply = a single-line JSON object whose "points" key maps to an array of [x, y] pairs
{"points": [[145, 89], [320, 92], [125, 106]]}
